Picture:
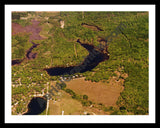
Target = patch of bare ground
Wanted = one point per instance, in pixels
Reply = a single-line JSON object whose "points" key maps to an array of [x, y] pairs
{"points": [[99, 92], [71, 106], [34, 29]]}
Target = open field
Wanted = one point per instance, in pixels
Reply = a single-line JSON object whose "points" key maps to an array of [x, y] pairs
{"points": [[71, 106], [66, 104], [97, 91]]}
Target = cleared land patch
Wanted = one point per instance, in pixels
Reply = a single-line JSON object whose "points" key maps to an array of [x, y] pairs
{"points": [[65, 103], [105, 93]]}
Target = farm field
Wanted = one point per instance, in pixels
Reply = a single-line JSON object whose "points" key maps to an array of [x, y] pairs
{"points": [[96, 91], [64, 102], [49, 47]]}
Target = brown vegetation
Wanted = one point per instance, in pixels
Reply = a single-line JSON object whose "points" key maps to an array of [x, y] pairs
{"points": [[105, 93], [34, 29]]}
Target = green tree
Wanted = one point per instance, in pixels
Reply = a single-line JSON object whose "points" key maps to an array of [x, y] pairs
{"points": [[85, 97]]}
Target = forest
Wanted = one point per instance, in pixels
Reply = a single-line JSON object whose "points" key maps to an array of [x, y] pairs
{"points": [[128, 52]]}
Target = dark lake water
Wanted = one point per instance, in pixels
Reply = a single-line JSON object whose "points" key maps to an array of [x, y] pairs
{"points": [[17, 61], [36, 106], [91, 61], [29, 55]]}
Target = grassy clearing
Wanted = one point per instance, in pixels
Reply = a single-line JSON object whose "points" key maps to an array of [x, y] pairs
{"points": [[104, 93], [66, 104]]}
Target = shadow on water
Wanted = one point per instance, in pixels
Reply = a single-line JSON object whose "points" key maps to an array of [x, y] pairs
{"points": [[17, 61], [91, 61], [36, 106]]}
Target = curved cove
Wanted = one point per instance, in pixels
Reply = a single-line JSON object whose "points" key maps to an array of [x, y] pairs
{"points": [[91, 61]]}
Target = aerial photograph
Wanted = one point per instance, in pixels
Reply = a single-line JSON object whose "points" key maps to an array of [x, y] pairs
{"points": [[80, 63]]}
